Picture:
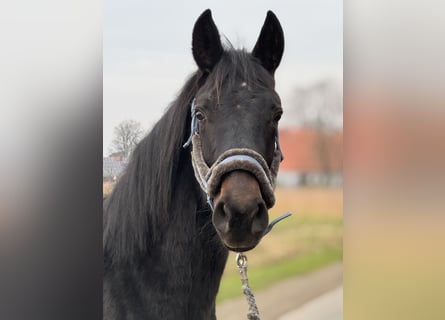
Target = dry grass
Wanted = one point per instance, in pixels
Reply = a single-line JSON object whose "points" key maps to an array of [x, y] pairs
{"points": [[309, 201]]}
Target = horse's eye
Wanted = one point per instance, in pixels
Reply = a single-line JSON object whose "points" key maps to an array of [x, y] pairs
{"points": [[277, 117], [199, 115]]}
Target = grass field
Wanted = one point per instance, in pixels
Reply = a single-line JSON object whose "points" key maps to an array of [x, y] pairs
{"points": [[310, 239]]}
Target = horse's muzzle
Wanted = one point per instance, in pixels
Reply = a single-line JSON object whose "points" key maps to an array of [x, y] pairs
{"points": [[240, 215]]}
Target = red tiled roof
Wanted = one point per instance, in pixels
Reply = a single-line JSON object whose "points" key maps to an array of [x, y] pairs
{"points": [[309, 150]]}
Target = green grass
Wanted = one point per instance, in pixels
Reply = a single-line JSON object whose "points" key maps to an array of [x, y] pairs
{"points": [[262, 276]]}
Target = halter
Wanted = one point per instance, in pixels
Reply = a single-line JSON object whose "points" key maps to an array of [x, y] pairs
{"points": [[209, 178]]}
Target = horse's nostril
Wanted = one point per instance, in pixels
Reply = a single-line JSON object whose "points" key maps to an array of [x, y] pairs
{"points": [[220, 217], [219, 210], [225, 211], [260, 220]]}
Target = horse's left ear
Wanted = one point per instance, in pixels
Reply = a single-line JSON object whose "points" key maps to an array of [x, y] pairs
{"points": [[206, 43], [270, 44]]}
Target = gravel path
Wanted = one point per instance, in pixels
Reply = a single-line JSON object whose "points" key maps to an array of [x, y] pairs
{"points": [[284, 298]]}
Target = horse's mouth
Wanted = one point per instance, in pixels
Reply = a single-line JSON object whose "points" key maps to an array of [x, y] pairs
{"points": [[240, 249]]}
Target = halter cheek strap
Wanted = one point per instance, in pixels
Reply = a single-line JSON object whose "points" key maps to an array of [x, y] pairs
{"points": [[194, 125]]}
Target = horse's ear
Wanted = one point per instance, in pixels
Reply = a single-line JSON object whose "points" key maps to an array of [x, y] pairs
{"points": [[270, 44], [206, 44]]}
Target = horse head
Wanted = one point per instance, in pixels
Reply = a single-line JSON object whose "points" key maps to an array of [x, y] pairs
{"points": [[234, 132]]}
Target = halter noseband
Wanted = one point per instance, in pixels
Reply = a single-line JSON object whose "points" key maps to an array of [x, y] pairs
{"points": [[233, 159]]}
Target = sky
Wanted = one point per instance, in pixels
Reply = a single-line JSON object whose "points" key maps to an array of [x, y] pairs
{"points": [[147, 49]]}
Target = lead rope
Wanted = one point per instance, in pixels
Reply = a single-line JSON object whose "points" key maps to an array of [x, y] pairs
{"points": [[241, 262], [253, 313]]}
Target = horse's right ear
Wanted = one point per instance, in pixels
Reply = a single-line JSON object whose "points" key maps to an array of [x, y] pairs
{"points": [[206, 44]]}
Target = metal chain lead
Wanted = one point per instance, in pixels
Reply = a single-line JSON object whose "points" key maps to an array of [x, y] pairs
{"points": [[253, 313]]}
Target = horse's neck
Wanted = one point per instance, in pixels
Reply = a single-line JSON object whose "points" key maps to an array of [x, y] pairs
{"points": [[193, 230], [178, 276]]}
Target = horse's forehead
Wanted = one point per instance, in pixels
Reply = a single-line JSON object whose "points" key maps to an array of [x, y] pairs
{"points": [[242, 91], [247, 102], [249, 91]]}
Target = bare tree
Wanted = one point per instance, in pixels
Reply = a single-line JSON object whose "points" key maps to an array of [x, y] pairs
{"points": [[126, 135]]}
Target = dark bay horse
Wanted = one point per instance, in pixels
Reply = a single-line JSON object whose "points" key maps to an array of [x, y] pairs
{"points": [[174, 214]]}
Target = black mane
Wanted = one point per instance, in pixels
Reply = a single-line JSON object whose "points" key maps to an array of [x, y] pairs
{"points": [[139, 204]]}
